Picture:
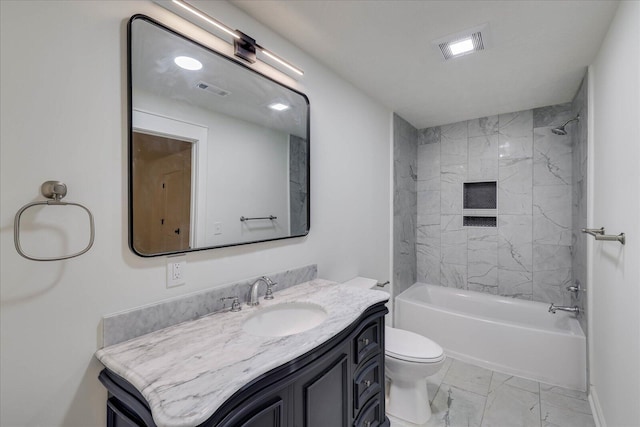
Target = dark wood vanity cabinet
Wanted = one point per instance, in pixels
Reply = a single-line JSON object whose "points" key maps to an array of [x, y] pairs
{"points": [[338, 384]]}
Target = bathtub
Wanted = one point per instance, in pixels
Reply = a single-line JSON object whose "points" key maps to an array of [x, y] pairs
{"points": [[512, 336]]}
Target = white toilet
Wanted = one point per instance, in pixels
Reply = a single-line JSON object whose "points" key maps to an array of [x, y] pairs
{"points": [[409, 359]]}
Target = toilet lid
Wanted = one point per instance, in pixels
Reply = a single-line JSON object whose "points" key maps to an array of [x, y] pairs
{"points": [[409, 346]]}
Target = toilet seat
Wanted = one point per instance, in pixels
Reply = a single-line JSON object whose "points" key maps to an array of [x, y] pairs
{"points": [[411, 347]]}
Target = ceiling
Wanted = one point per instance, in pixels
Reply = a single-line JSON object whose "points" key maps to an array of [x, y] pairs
{"points": [[538, 52], [248, 94]]}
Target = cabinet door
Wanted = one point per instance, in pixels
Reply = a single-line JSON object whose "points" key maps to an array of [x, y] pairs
{"points": [[267, 410], [321, 396], [269, 415], [118, 416]]}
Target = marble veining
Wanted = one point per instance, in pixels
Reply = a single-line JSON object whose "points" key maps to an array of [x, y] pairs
{"points": [[535, 184], [298, 185], [579, 202], [186, 371], [132, 323], [471, 396], [552, 115], [429, 135], [405, 199], [483, 126]]}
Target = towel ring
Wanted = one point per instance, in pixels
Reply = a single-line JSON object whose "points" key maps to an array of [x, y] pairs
{"points": [[54, 190]]}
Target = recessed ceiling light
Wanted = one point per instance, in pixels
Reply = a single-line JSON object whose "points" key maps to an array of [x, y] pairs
{"points": [[461, 46], [463, 42], [188, 63], [278, 106]]}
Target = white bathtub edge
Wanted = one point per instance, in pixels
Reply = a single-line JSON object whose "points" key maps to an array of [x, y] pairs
{"points": [[543, 354]]}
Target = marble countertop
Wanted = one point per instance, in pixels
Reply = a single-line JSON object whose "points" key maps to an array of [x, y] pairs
{"points": [[187, 371]]}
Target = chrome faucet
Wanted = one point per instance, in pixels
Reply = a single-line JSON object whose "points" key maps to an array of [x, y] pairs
{"points": [[575, 309], [253, 301]]}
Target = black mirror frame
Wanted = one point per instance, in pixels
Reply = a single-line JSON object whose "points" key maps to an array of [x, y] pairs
{"points": [[130, 139]]}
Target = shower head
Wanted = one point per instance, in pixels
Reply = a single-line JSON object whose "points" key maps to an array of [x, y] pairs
{"points": [[560, 130]]}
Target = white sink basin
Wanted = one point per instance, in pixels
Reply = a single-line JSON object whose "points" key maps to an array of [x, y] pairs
{"points": [[285, 319]]}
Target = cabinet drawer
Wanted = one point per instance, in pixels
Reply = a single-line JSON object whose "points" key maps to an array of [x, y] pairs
{"points": [[367, 342], [371, 415], [367, 382]]}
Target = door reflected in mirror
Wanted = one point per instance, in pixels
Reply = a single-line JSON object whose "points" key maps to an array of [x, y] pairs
{"points": [[210, 144]]}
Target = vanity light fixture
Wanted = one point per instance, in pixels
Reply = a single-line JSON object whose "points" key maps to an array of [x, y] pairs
{"points": [[245, 47], [207, 18], [278, 106], [188, 63], [282, 61]]}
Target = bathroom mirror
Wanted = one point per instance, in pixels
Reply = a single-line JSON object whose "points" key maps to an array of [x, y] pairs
{"points": [[218, 153]]}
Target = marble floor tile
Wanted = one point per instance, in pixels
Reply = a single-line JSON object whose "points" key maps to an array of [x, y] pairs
{"points": [[498, 380], [453, 407], [511, 406], [576, 394], [564, 408], [506, 401], [567, 402], [554, 416], [468, 377], [434, 381]]}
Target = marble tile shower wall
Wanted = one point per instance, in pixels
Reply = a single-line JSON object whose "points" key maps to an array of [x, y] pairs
{"points": [[298, 184], [579, 201], [528, 254], [404, 204]]}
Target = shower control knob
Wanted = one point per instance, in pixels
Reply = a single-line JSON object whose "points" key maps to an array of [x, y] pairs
{"points": [[575, 287]]}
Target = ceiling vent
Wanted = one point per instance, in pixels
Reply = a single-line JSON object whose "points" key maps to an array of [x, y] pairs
{"points": [[463, 42], [212, 88]]}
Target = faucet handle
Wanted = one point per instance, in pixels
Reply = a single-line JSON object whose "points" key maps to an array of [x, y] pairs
{"points": [[235, 305], [575, 287], [270, 284]]}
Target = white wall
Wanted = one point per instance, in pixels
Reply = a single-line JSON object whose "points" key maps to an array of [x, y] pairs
{"points": [[615, 194], [63, 105]]}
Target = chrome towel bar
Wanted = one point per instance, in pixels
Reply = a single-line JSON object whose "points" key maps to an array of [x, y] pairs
{"points": [[598, 233], [270, 217], [54, 190]]}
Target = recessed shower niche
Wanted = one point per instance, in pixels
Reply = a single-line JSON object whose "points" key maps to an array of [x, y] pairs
{"points": [[480, 204]]}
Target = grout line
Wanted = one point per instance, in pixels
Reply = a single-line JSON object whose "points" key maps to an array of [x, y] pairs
{"points": [[540, 402], [484, 408]]}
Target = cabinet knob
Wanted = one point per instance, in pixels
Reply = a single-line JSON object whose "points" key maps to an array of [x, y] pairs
{"points": [[366, 383], [367, 424], [364, 341]]}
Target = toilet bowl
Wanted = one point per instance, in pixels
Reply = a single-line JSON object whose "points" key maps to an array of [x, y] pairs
{"points": [[409, 359]]}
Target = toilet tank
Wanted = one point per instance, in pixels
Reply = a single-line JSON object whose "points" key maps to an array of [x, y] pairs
{"points": [[366, 283]]}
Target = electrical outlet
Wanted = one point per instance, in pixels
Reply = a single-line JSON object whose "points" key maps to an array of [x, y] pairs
{"points": [[176, 271], [217, 228]]}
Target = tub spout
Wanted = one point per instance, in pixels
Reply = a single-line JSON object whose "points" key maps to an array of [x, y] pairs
{"points": [[575, 309]]}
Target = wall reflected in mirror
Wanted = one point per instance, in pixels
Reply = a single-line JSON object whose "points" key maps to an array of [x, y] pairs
{"points": [[210, 144]]}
